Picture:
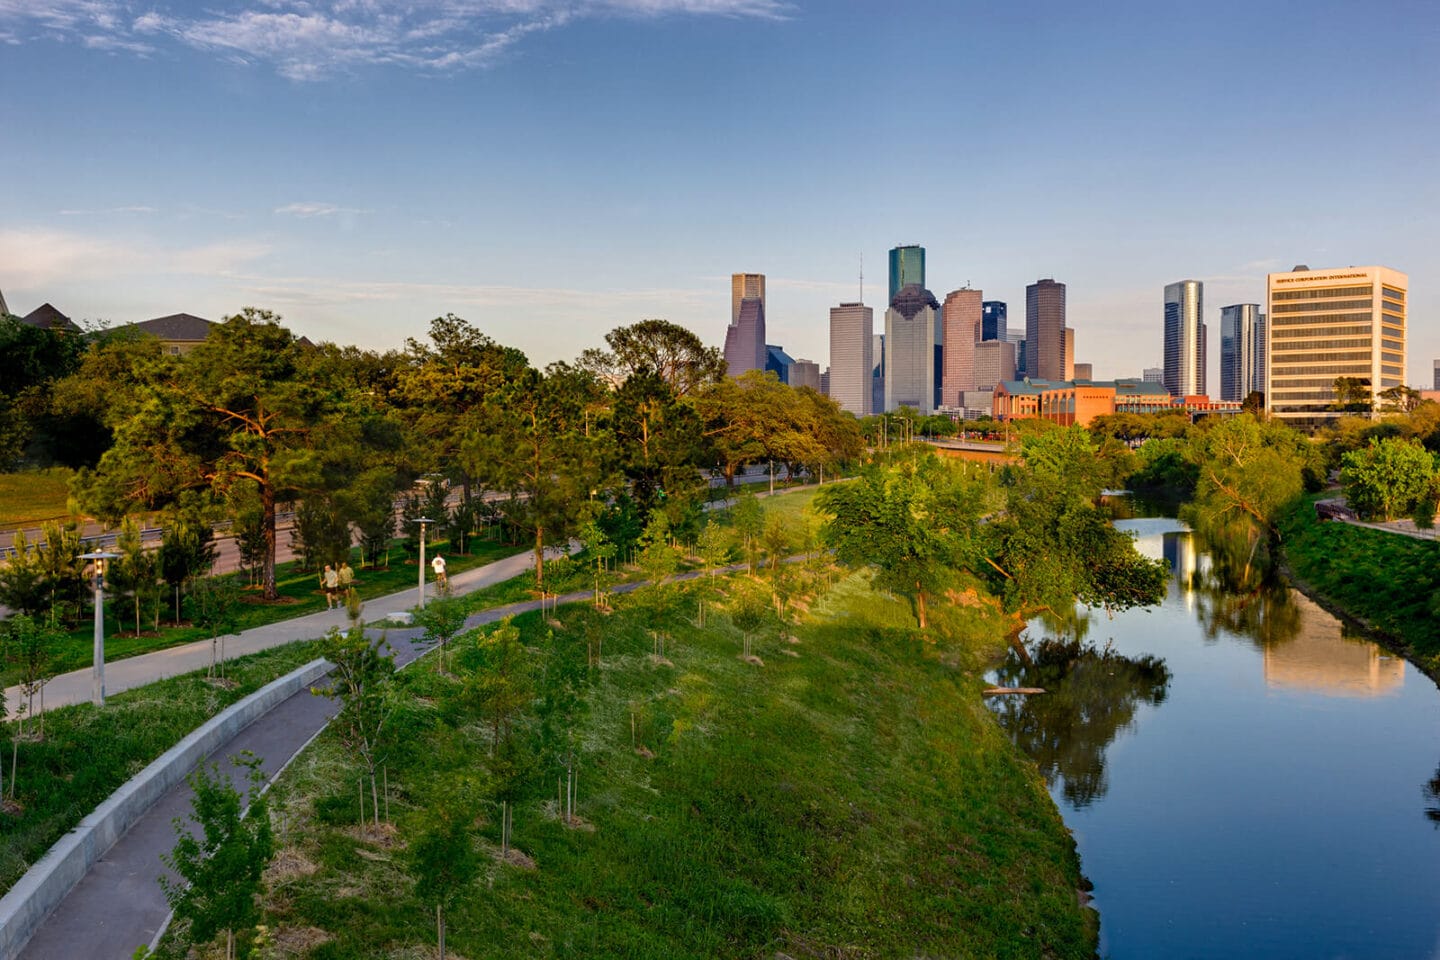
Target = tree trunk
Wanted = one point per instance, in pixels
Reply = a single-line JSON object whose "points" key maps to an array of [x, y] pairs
{"points": [[539, 554], [920, 605], [440, 930], [267, 577]]}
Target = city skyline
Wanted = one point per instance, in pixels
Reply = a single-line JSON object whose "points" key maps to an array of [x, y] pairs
{"points": [[552, 170]]}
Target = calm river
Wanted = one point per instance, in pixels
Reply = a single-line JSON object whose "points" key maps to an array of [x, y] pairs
{"points": [[1244, 777]]}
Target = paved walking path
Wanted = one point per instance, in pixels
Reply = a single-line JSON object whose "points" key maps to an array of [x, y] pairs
{"points": [[75, 686], [119, 904]]}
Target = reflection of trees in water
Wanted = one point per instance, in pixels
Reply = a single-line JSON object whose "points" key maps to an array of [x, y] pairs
{"points": [[1432, 794], [1240, 593], [1091, 696]]}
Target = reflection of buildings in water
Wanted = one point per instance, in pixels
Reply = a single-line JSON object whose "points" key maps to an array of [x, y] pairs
{"points": [[1179, 551], [1321, 658]]}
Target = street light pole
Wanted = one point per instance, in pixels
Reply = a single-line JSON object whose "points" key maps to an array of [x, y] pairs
{"points": [[97, 676], [422, 521]]}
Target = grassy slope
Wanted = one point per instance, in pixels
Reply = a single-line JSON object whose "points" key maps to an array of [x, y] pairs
{"points": [[855, 800], [33, 496], [87, 753], [1386, 580]]}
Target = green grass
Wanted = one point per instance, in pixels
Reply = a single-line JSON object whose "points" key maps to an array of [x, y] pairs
{"points": [[300, 594], [851, 797], [86, 754], [33, 496], [1387, 580]]}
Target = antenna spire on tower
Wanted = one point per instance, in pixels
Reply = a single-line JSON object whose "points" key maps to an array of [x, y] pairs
{"points": [[862, 276]]}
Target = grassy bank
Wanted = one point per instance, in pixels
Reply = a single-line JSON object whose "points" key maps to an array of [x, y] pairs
{"points": [[1387, 581], [34, 496], [86, 754], [844, 793], [300, 594]]}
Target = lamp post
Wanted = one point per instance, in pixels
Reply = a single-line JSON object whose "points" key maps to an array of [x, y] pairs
{"points": [[97, 677], [422, 521]]}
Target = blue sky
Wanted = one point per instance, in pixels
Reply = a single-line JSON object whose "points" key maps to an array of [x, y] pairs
{"points": [[550, 169]]}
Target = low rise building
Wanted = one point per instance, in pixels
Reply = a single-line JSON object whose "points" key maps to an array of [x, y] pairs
{"points": [[1069, 402]]}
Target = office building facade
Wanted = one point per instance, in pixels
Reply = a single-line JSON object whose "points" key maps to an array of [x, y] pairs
{"points": [[907, 266], [1325, 324], [1045, 340], [1185, 338], [910, 350], [994, 361], [745, 339], [963, 317], [805, 373], [1242, 350], [852, 359], [745, 286], [992, 320], [1154, 375]]}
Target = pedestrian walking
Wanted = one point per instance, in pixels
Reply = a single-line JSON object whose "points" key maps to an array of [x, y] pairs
{"points": [[330, 579]]}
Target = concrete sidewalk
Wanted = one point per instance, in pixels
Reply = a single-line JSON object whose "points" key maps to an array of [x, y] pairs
{"points": [[120, 675]]}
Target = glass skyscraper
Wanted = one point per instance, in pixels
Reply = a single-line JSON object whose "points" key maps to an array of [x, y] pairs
{"points": [[1242, 350], [1185, 338], [907, 266], [992, 320]]}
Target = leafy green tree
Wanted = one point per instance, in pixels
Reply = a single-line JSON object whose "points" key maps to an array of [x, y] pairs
{"points": [[1246, 471], [362, 682], [136, 573], [912, 521], [30, 646], [444, 862], [659, 557], [716, 545], [658, 437], [1387, 478], [321, 534], [500, 685], [533, 444], [442, 618], [600, 549], [777, 541], [47, 578], [240, 414], [187, 549], [1352, 394], [1054, 545], [667, 350], [220, 870], [22, 580], [1400, 399], [747, 516], [215, 607]]}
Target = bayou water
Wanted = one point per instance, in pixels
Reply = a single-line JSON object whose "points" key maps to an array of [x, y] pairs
{"points": [[1244, 775]]}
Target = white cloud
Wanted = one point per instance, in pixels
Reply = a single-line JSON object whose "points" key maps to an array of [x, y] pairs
{"points": [[106, 211], [310, 208], [38, 259], [314, 39]]}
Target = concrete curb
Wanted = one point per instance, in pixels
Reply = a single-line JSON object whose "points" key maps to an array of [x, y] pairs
{"points": [[24, 908]]}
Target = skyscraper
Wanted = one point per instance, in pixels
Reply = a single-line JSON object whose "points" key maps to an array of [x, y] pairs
{"points": [[1017, 339], [994, 361], [1326, 324], [4, 310], [1185, 338], [745, 339], [1045, 330], [910, 350], [992, 320], [1154, 375], [852, 362], [1242, 350], [877, 380], [1437, 375], [745, 286], [907, 266], [963, 316], [805, 373]]}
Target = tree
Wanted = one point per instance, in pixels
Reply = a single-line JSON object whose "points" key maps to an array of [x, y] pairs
{"points": [[136, 573], [532, 443], [214, 607], [665, 349], [1400, 399], [659, 558], [29, 645], [443, 862], [1386, 479], [220, 870], [187, 549], [716, 544], [747, 516], [500, 686], [441, 619], [240, 414], [658, 438], [1054, 546], [1352, 394], [912, 521], [361, 681], [599, 548], [1254, 404]]}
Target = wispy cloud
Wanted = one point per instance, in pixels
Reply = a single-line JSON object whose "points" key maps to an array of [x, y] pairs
{"points": [[314, 39], [39, 258], [308, 209], [106, 211]]}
